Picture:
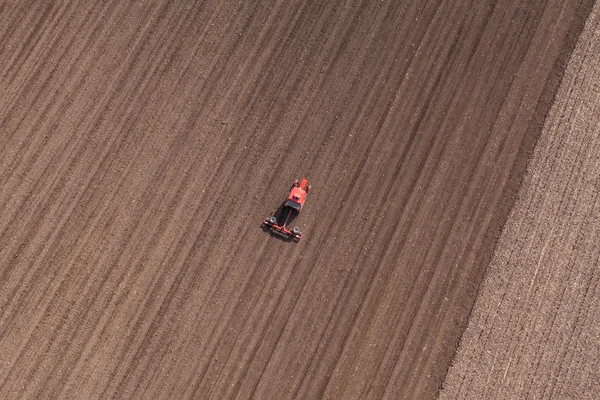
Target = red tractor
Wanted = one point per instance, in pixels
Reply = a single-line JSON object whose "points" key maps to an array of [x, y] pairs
{"points": [[290, 208]]}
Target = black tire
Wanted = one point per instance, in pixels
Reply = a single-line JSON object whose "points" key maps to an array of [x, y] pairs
{"points": [[296, 230], [272, 220]]}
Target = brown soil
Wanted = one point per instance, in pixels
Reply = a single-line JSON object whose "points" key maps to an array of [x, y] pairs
{"points": [[535, 329], [142, 144]]}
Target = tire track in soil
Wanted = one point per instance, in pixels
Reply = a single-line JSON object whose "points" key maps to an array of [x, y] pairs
{"points": [[235, 363], [84, 186]]}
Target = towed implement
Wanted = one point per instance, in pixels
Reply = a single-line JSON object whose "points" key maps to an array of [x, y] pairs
{"points": [[291, 207]]}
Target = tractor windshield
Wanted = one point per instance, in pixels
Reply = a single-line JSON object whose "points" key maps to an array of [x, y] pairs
{"points": [[292, 204]]}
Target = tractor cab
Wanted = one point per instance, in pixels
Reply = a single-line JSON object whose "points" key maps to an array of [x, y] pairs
{"points": [[297, 194]]}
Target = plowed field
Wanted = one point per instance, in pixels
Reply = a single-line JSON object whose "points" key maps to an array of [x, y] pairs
{"points": [[142, 144], [535, 330]]}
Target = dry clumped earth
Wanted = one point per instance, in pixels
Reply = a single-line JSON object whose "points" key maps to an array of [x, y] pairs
{"points": [[142, 144], [535, 328]]}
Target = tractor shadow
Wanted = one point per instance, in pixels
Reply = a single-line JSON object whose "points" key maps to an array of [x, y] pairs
{"points": [[281, 214]]}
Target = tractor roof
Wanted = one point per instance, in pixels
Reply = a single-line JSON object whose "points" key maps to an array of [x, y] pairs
{"points": [[297, 195]]}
